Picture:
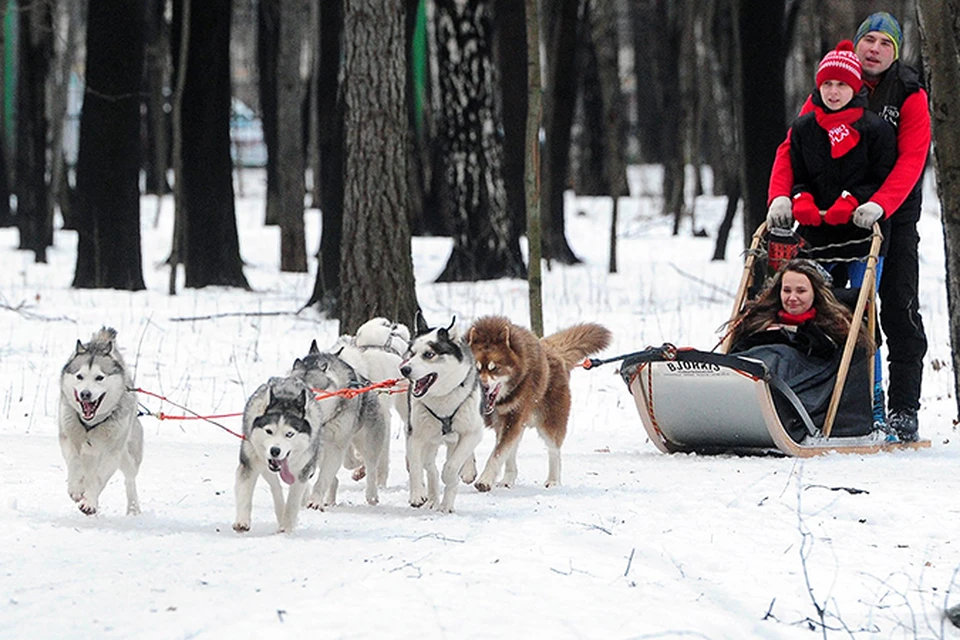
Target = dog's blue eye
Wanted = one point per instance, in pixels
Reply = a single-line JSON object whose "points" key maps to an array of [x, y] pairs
{"points": [[428, 355], [290, 434]]}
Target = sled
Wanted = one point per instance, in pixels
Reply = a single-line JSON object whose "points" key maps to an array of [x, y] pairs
{"points": [[715, 402]]}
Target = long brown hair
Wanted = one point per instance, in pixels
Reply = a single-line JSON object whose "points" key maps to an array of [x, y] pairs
{"points": [[833, 318]]}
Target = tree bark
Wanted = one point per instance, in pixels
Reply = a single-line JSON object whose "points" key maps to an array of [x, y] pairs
{"points": [[939, 22], [485, 244], [211, 246], [291, 183], [326, 288], [268, 44], [532, 167], [35, 51], [510, 26], [108, 162], [762, 99], [376, 258], [157, 157], [559, 99]]}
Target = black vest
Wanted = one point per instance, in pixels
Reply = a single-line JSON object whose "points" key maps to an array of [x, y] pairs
{"points": [[885, 100]]}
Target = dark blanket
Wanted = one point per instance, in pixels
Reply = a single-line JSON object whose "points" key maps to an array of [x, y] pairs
{"points": [[811, 379]]}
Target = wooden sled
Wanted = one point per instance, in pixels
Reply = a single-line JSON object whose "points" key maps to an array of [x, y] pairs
{"points": [[696, 401]]}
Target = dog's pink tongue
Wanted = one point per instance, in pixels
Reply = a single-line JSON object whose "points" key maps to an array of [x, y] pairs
{"points": [[285, 474]]}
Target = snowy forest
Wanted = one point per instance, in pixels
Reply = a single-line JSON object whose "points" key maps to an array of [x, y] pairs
{"points": [[403, 119]]}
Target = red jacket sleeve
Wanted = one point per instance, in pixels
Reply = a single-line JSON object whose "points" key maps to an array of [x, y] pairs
{"points": [[913, 146], [781, 175]]}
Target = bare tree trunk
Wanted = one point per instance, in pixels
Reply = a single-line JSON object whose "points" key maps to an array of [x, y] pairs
{"points": [[36, 50], [559, 98], [510, 26], [108, 162], [485, 244], [67, 20], [326, 288], [157, 72], [532, 167], [182, 28], [603, 33], [211, 247], [939, 22], [762, 99], [268, 59], [290, 136], [377, 265]]}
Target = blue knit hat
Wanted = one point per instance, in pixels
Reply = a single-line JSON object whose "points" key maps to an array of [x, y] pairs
{"points": [[884, 23]]}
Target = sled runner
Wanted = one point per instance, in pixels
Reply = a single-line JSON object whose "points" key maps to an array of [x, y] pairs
{"points": [[707, 402]]}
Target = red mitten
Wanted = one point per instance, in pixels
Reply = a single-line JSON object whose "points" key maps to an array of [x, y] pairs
{"points": [[805, 210], [841, 210]]}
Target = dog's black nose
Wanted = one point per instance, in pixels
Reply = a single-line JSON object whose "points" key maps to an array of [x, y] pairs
{"points": [[275, 452], [86, 396], [405, 371]]}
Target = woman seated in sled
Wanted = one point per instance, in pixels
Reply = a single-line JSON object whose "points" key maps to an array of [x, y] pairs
{"points": [[797, 308], [798, 328]]}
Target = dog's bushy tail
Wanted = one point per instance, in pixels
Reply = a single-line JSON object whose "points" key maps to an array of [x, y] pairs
{"points": [[575, 343]]}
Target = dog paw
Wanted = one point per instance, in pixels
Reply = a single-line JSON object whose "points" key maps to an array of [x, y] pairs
{"points": [[551, 483], [374, 501], [87, 507], [506, 484], [316, 505], [482, 487], [418, 501], [133, 509], [359, 474], [75, 494], [241, 527]]}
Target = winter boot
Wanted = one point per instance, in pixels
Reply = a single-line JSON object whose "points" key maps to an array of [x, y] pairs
{"points": [[905, 425]]}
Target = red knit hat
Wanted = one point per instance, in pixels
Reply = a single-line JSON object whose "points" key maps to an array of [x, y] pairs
{"points": [[841, 64]]}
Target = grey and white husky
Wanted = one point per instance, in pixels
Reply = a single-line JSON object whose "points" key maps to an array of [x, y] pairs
{"points": [[444, 397], [282, 440], [98, 424], [375, 353], [347, 423]]}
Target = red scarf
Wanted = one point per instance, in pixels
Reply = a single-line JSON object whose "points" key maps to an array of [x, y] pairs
{"points": [[843, 137], [791, 319]]}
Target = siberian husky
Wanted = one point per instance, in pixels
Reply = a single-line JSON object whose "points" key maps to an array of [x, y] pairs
{"points": [[526, 382], [98, 424], [282, 426], [375, 353], [444, 397], [347, 422]]}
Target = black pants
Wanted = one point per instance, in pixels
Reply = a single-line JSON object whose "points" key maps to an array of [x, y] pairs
{"points": [[900, 315]]}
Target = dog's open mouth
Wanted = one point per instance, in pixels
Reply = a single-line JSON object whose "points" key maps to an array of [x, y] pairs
{"points": [[490, 398], [280, 466], [88, 409], [422, 385]]}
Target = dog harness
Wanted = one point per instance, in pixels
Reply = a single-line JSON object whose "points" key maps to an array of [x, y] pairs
{"points": [[446, 424]]}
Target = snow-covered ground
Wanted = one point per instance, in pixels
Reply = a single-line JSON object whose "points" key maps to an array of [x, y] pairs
{"points": [[634, 544]]}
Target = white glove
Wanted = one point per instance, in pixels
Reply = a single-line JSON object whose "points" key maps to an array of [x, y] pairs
{"points": [[780, 213], [866, 214]]}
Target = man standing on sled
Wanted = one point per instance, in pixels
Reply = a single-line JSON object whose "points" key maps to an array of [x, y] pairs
{"points": [[896, 94]]}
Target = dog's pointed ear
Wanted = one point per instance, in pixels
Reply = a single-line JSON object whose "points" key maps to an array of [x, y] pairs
{"points": [[340, 350], [506, 336], [314, 349], [421, 323], [298, 366], [470, 335], [80, 348], [452, 323]]}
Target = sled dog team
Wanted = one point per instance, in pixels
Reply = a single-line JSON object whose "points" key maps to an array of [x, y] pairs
{"points": [[495, 373]]}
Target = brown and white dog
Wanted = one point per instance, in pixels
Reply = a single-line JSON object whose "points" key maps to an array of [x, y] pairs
{"points": [[526, 383]]}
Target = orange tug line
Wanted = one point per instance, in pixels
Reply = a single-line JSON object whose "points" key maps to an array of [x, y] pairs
{"points": [[344, 393]]}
